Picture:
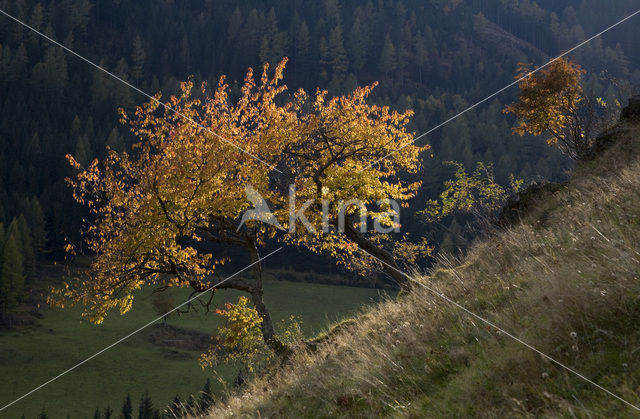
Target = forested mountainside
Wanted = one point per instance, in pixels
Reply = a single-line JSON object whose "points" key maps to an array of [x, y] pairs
{"points": [[436, 57]]}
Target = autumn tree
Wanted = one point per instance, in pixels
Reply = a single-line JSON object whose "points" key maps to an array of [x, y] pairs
{"points": [[159, 210], [552, 102], [163, 301], [355, 204]]}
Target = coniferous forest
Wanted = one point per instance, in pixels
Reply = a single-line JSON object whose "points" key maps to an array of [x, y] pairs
{"points": [[437, 57]]}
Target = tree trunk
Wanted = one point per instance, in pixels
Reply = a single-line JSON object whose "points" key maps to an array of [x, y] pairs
{"points": [[389, 266], [268, 332]]}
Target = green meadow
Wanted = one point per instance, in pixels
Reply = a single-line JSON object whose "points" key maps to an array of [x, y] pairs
{"points": [[32, 355]]}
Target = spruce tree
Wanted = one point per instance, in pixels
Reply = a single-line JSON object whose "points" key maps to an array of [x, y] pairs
{"points": [[302, 58], [28, 253], [2, 233], [176, 408], [138, 57], [206, 397], [420, 53], [127, 408], [358, 44], [115, 141], [145, 411], [387, 61], [83, 153], [37, 225], [235, 24], [192, 405], [11, 276]]}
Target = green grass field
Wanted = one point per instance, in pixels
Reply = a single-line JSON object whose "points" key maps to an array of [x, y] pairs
{"points": [[31, 356]]}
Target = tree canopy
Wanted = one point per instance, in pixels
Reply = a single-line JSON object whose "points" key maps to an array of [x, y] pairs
{"points": [[553, 102], [157, 209]]}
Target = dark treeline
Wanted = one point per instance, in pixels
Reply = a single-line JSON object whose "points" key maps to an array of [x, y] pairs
{"points": [[192, 406], [435, 56]]}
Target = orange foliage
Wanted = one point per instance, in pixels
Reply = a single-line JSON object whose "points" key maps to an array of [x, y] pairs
{"points": [[181, 185], [551, 102]]}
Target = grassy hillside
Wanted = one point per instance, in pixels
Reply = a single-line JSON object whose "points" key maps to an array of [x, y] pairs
{"points": [[566, 280], [30, 356]]}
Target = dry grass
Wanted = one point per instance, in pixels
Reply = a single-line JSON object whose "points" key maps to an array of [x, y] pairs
{"points": [[566, 280]]}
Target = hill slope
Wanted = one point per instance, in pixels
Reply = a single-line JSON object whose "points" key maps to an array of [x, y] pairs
{"points": [[566, 280]]}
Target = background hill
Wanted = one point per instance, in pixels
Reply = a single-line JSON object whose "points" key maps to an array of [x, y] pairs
{"points": [[564, 280], [435, 56]]}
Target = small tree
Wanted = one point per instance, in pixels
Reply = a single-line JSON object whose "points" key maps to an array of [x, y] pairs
{"points": [[238, 338], [476, 194], [127, 408], [2, 239], [43, 414], [175, 409], [146, 410], [206, 396], [552, 101], [164, 301], [11, 277]]}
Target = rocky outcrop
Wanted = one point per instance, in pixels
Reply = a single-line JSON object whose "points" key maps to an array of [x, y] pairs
{"points": [[632, 110], [518, 205], [630, 113]]}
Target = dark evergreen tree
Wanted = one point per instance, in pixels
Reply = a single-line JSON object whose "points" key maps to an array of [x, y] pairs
{"points": [[337, 58], [387, 61], [192, 405], [43, 414], [145, 410], [28, 253], [176, 407], [138, 57], [127, 408], [2, 239], [11, 276], [206, 397]]}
